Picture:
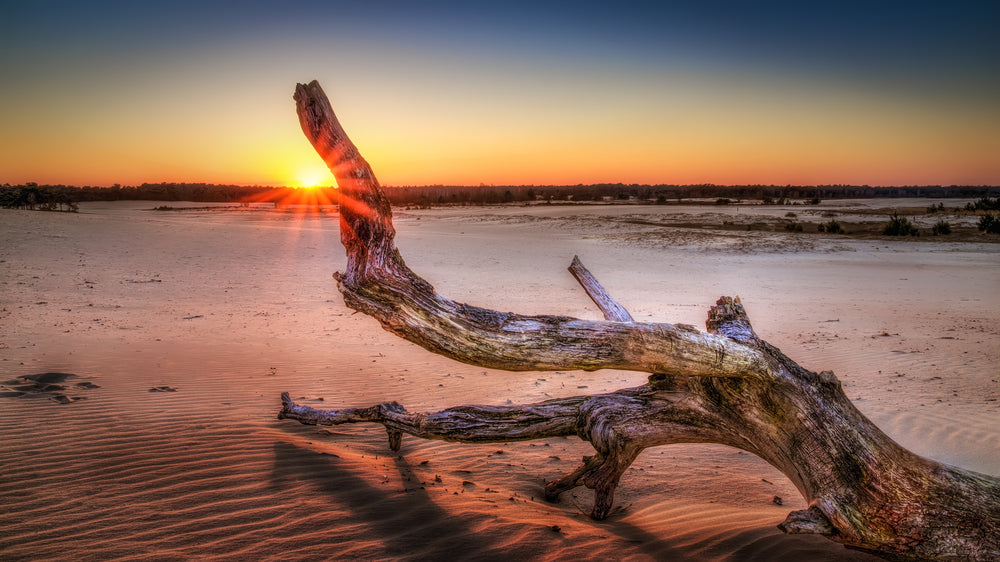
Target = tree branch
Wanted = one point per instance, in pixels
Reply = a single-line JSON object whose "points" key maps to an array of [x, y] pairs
{"points": [[612, 311], [378, 283]]}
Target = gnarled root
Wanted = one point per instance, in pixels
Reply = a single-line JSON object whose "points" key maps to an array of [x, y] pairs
{"points": [[598, 473]]}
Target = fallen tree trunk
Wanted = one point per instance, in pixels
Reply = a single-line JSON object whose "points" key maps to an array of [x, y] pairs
{"points": [[724, 386]]}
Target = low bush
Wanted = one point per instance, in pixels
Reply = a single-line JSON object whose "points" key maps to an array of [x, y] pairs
{"points": [[900, 226], [941, 228], [984, 204], [990, 224], [832, 227]]}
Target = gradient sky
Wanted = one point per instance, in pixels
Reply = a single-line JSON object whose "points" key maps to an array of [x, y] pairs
{"points": [[459, 92]]}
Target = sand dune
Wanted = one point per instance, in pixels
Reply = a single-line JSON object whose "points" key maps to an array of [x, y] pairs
{"points": [[223, 310]]}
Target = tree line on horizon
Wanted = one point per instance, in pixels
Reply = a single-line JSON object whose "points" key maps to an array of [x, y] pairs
{"points": [[66, 198], [427, 196]]}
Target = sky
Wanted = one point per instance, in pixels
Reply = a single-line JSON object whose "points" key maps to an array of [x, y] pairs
{"points": [[513, 92]]}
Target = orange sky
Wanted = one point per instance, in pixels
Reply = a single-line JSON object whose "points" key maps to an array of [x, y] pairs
{"points": [[96, 99]]}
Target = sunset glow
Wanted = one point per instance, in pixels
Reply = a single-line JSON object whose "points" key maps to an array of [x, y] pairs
{"points": [[511, 93], [317, 176]]}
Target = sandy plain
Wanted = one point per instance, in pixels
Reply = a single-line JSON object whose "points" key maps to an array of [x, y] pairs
{"points": [[181, 328]]}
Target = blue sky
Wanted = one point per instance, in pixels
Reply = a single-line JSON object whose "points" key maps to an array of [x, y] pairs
{"points": [[512, 92]]}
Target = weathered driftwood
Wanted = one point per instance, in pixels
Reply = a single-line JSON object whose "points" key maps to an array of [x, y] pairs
{"points": [[724, 386]]}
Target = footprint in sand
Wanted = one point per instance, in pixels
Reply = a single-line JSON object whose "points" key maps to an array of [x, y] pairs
{"points": [[45, 385]]}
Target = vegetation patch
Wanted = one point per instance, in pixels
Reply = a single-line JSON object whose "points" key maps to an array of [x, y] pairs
{"points": [[832, 227], [986, 203], [900, 226], [941, 228], [990, 224]]}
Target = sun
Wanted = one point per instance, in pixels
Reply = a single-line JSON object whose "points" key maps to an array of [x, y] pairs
{"points": [[314, 177]]}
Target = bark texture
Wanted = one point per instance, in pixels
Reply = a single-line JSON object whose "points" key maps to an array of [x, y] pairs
{"points": [[725, 385]]}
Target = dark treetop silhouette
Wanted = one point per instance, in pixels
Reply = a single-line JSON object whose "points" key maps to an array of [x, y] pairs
{"points": [[724, 386]]}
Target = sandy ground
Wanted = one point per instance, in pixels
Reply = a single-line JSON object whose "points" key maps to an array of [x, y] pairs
{"points": [[182, 328]]}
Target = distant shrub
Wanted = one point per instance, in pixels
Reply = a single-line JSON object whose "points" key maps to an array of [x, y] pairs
{"points": [[990, 224], [814, 201], [900, 226], [793, 227], [722, 201], [936, 208], [766, 201], [790, 215], [984, 204], [832, 227], [941, 228]]}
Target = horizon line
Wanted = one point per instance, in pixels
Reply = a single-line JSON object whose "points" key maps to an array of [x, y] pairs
{"points": [[506, 185]]}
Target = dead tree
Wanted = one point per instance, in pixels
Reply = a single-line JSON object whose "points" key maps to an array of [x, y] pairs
{"points": [[726, 386]]}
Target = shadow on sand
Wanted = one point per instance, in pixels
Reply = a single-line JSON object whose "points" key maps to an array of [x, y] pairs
{"points": [[412, 526], [409, 524]]}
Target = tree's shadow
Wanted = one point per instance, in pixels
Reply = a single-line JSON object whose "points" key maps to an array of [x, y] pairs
{"points": [[411, 524], [407, 524]]}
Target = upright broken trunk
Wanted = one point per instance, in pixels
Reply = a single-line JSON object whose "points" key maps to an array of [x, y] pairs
{"points": [[724, 386]]}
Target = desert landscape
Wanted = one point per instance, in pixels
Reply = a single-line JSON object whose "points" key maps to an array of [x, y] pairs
{"points": [[197, 254], [176, 331]]}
